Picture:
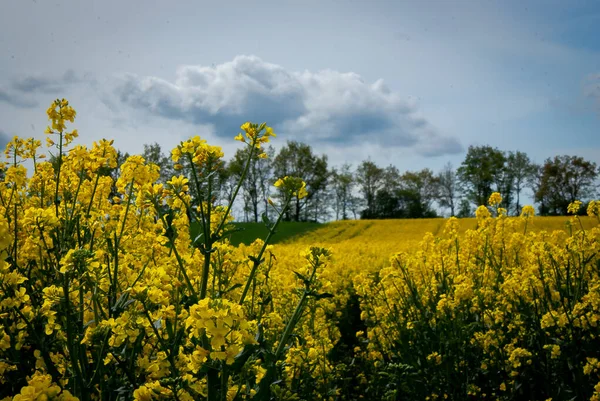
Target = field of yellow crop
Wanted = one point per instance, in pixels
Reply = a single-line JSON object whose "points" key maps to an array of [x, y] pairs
{"points": [[105, 294], [389, 270], [368, 244]]}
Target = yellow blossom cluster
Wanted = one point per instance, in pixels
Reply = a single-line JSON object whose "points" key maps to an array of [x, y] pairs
{"points": [[295, 185], [59, 113], [104, 293], [501, 306], [256, 136]]}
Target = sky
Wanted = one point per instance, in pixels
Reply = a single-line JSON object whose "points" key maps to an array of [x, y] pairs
{"points": [[407, 83]]}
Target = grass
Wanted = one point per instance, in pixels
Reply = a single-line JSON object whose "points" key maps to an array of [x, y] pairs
{"points": [[286, 230], [410, 230]]}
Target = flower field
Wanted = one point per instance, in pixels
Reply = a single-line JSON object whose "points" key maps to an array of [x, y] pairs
{"points": [[105, 294]]}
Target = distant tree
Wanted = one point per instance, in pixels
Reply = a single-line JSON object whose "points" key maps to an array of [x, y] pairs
{"points": [[505, 185], [256, 183], [481, 172], [408, 195], [418, 190], [356, 204], [562, 180], [342, 182], [369, 178], [264, 175], [318, 202], [537, 186], [464, 208], [448, 188], [521, 169], [298, 160]]}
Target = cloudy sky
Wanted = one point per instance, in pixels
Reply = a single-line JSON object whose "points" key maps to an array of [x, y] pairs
{"points": [[409, 83]]}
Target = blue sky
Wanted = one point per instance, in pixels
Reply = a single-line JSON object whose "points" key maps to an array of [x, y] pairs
{"points": [[409, 83]]}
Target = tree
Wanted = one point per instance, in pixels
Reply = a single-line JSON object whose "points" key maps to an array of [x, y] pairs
{"points": [[448, 188], [417, 191], [407, 195], [369, 177], [480, 172], [521, 169], [256, 184], [342, 182], [387, 202], [298, 160], [505, 185], [464, 208], [563, 180], [264, 175]]}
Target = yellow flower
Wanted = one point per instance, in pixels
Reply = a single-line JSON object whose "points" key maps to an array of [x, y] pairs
{"points": [[482, 212], [574, 207], [495, 199], [527, 211], [39, 387], [58, 113], [435, 357], [593, 208], [554, 350], [256, 134], [292, 185]]}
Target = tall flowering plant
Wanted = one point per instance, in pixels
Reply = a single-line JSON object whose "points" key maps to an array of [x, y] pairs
{"points": [[104, 294]]}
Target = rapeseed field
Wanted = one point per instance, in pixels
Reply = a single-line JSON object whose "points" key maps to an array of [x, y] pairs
{"points": [[105, 294]]}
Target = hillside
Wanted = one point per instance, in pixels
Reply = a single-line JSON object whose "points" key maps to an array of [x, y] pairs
{"points": [[286, 230], [372, 241]]}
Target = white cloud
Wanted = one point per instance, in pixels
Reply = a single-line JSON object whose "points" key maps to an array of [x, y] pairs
{"points": [[326, 106]]}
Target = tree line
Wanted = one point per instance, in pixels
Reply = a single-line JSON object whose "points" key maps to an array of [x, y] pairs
{"points": [[369, 191]]}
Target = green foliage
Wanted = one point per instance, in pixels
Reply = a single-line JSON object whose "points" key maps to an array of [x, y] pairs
{"points": [[562, 180], [256, 185], [481, 170], [246, 233], [409, 195], [297, 159]]}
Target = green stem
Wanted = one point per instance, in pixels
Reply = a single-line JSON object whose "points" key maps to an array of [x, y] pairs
{"points": [[258, 258], [224, 382], [56, 375], [207, 241], [79, 385], [239, 185], [87, 213], [60, 150], [126, 211], [198, 193], [115, 279], [289, 328]]}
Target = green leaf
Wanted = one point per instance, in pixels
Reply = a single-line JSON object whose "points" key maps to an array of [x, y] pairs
{"points": [[303, 278], [266, 220], [233, 287], [323, 296]]}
